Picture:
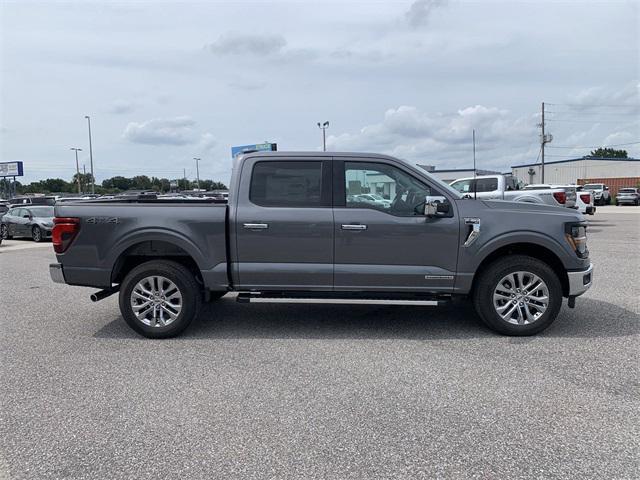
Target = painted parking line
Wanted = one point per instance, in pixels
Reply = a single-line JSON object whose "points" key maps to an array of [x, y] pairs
{"points": [[11, 245]]}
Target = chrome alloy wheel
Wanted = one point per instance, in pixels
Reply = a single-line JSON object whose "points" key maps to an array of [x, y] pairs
{"points": [[521, 298], [156, 301]]}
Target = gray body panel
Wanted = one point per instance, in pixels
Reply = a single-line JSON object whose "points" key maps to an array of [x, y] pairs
{"points": [[307, 248]]}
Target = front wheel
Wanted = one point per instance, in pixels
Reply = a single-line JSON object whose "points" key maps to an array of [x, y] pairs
{"points": [[36, 234], [518, 295], [160, 298]]}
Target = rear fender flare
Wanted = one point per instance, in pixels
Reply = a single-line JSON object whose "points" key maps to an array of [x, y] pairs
{"points": [[158, 235]]}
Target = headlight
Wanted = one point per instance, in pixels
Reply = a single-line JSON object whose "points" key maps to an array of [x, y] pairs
{"points": [[576, 235]]}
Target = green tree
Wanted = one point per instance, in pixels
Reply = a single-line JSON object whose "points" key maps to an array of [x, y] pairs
{"points": [[85, 181], [117, 183], [608, 153], [141, 182]]}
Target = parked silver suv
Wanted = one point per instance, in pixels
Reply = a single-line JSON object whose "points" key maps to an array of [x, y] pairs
{"points": [[628, 196]]}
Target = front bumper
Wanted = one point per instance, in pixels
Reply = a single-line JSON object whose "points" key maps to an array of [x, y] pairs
{"points": [[580, 282], [56, 272]]}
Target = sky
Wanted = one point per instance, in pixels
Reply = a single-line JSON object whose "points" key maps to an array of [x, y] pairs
{"points": [[165, 82]]}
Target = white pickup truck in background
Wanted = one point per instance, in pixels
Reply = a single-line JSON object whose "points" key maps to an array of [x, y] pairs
{"points": [[584, 198], [506, 187]]}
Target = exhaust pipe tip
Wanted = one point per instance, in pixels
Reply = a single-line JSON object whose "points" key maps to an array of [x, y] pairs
{"points": [[102, 294]]}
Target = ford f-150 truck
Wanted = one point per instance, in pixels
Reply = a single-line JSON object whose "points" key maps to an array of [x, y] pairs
{"points": [[296, 229]]}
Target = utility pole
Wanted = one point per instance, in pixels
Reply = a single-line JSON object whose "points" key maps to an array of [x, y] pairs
{"points": [[77, 166], [197, 172], [544, 139], [475, 189], [324, 127], [184, 178], [93, 178]]}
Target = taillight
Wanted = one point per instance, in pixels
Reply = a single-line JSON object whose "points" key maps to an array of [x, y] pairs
{"points": [[586, 198], [561, 197], [64, 231]]}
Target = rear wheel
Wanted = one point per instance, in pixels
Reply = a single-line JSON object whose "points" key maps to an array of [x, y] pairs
{"points": [[36, 234], [160, 298], [518, 295], [4, 231]]}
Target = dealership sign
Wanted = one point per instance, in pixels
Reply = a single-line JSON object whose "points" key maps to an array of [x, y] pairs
{"points": [[11, 169], [259, 147]]}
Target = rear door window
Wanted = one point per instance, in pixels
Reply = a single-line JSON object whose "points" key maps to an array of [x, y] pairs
{"points": [[486, 185], [287, 184]]}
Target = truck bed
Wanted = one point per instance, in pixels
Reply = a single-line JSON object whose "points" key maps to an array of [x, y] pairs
{"points": [[145, 227]]}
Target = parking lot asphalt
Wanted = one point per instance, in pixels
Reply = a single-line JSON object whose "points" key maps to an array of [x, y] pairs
{"points": [[322, 391]]}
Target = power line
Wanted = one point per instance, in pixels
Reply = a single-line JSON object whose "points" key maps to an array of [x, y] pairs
{"points": [[567, 112], [593, 105], [602, 146]]}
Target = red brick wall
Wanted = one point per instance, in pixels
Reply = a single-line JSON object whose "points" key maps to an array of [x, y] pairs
{"points": [[614, 184]]}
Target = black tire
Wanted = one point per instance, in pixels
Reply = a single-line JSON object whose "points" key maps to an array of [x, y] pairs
{"points": [[487, 281], [4, 231], [617, 204], [36, 234], [183, 279]]}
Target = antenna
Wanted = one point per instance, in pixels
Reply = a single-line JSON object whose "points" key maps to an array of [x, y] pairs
{"points": [[475, 189]]}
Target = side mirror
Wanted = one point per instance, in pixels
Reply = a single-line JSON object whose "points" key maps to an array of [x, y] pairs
{"points": [[436, 207]]}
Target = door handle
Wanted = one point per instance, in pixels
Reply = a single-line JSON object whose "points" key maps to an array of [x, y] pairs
{"points": [[256, 226], [351, 226]]}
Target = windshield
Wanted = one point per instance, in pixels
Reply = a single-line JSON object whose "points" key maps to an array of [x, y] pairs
{"points": [[439, 183], [592, 186], [41, 211], [627, 190]]}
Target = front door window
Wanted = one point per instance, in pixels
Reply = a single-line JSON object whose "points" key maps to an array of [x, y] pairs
{"points": [[386, 188]]}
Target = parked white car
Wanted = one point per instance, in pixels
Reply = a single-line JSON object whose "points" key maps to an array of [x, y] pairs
{"points": [[585, 201], [601, 194], [505, 187], [375, 199]]}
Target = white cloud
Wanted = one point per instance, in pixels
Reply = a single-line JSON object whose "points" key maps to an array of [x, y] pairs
{"points": [[412, 134], [162, 131], [247, 44], [603, 97]]}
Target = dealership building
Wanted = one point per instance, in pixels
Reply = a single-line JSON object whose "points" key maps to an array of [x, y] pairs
{"points": [[615, 172]]}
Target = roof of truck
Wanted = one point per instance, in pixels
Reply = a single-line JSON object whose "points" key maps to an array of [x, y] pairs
{"points": [[317, 154]]}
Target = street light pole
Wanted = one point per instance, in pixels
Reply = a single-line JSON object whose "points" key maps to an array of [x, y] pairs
{"points": [[324, 127], [93, 178], [77, 166], [197, 172]]}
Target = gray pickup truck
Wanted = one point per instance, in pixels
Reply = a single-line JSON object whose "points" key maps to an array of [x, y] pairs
{"points": [[298, 227]]}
